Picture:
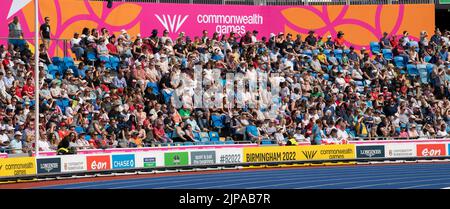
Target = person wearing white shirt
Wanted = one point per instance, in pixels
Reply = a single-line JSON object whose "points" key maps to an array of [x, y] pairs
{"points": [[16, 143], [76, 47], [442, 132], [44, 145], [8, 80]]}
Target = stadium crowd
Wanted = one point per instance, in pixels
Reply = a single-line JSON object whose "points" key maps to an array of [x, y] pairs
{"points": [[117, 91]]}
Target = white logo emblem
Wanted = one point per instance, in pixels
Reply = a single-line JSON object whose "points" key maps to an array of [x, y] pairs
{"points": [[172, 23]]}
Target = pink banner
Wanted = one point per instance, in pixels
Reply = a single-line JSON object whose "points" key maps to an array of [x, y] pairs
{"points": [[149, 149], [361, 23]]}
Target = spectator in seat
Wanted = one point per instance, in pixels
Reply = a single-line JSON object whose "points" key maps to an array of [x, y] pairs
{"points": [[112, 49], [385, 43], [339, 42], [102, 49], [76, 46], [252, 132]]}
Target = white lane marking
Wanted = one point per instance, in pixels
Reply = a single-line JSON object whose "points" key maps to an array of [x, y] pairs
{"points": [[364, 175], [220, 176], [423, 185], [393, 183]]}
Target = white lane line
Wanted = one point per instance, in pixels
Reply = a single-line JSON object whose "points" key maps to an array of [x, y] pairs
{"points": [[202, 177], [393, 183], [208, 180], [425, 185], [368, 176], [240, 181], [306, 171]]}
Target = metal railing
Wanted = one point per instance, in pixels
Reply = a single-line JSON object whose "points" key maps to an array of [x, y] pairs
{"points": [[284, 2], [58, 47]]}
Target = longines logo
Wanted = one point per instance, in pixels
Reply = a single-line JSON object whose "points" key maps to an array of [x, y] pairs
{"points": [[309, 154], [172, 23]]}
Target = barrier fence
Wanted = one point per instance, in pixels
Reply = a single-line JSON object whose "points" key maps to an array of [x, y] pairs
{"points": [[61, 49], [151, 159]]}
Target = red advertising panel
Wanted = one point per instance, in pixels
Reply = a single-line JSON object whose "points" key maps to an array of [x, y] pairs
{"points": [[98, 162], [431, 150]]}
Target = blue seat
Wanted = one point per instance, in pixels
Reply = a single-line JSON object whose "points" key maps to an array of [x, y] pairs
{"points": [[220, 142], [399, 62], [154, 86], [430, 68], [57, 60], [214, 136], [229, 142], [87, 137], [204, 136], [114, 62], [423, 73], [327, 52], [217, 121], [197, 136], [412, 70], [308, 52], [91, 57], [167, 96], [427, 58], [68, 62], [338, 53], [387, 54], [266, 142], [347, 51], [79, 129], [375, 47], [188, 144], [326, 76], [199, 143], [315, 51], [106, 60], [208, 143]]}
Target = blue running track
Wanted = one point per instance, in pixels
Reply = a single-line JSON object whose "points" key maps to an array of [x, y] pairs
{"points": [[399, 176]]}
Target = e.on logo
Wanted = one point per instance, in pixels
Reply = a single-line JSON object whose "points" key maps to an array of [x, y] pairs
{"points": [[430, 149], [98, 163]]}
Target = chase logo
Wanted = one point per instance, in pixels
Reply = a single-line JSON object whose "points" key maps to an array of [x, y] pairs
{"points": [[309, 154], [123, 161]]}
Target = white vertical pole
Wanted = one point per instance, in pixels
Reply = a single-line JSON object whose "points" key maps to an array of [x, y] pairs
{"points": [[36, 77]]}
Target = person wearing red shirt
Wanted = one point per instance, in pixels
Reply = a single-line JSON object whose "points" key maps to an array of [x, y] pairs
{"points": [[112, 47], [339, 41], [28, 89], [160, 134]]}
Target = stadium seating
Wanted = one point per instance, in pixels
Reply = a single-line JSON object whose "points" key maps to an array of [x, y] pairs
{"points": [[213, 136], [415, 44], [204, 136], [412, 70], [387, 54], [427, 58], [375, 47], [91, 57], [217, 121], [154, 86], [399, 62], [423, 73]]}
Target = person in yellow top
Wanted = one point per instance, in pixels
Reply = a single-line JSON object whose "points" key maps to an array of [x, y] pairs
{"points": [[322, 58], [135, 141]]}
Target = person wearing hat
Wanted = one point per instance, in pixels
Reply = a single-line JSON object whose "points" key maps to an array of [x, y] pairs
{"points": [[16, 144], [339, 41], [329, 43], [311, 40]]}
